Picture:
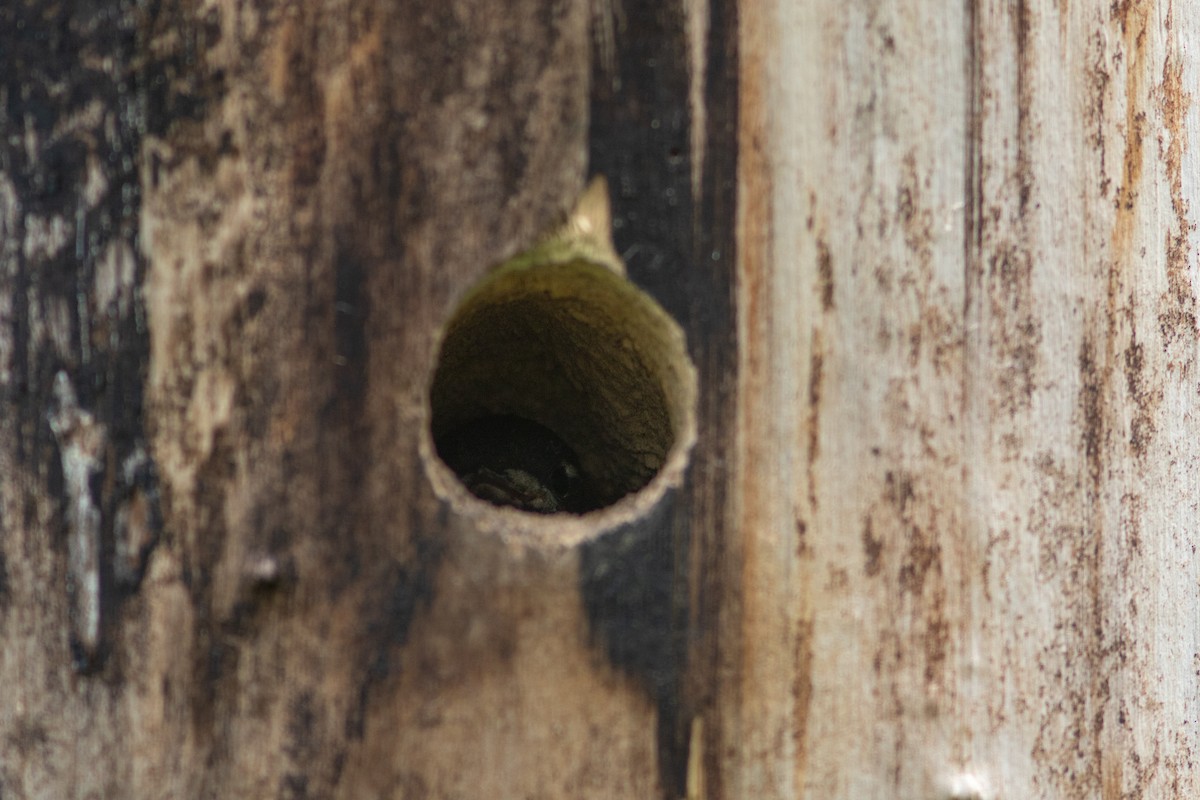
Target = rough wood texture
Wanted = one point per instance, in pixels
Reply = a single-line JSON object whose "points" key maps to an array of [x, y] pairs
{"points": [[937, 271], [967, 493], [230, 237]]}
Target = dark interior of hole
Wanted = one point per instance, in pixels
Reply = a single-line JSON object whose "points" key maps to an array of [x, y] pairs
{"points": [[567, 365], [512, 461]]}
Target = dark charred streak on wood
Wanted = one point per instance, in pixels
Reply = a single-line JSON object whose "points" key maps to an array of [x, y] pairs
{"points": [[1144, 400], [872, 549], [680, 247], [303, 736], [630, 580], [1091, 399], [802, 692], [816, 379], [632, 585], [973, 166], [350, 312], [76, 167], [397, 593], [825, 274], [1026, 130], [634, 132], [5, 591], [716, 356]]}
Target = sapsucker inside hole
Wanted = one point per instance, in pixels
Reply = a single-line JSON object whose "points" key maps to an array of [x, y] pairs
{"points": [[512, 461]]}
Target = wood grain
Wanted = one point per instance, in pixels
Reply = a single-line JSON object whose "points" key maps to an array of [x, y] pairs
{"points": [[937, 270], [966, 446]]}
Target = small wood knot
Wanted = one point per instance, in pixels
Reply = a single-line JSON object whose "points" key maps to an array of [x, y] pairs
{"points": [[263, 571]]}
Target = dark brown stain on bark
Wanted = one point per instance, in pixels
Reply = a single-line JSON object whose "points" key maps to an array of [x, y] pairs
{"points": [[1027, 65], [812, 423], [825, 274], [59, 65], [1010, 270], [631, 582], [680, 247], [872, 549], [802, 693], [901, 540], [1091, 412], [1178, 316], [1144, 400]]}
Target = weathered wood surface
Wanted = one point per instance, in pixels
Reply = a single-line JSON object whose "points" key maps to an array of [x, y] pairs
{"points": [[937, 268], [231, 235], [968, 461]]}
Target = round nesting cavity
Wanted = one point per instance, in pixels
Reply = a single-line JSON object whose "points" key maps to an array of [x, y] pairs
{"points": [[576, 349]]}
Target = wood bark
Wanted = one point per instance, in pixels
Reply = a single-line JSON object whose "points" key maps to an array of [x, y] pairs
{"points": [[936, 268]]}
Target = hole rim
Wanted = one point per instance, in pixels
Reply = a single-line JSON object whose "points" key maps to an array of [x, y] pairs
{"points": [[676, 379]]}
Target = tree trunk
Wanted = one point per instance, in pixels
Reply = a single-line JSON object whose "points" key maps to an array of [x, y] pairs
{"points": [[918, 524]]}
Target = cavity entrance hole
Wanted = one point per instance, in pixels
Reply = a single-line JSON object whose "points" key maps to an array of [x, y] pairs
{"points": [[560, 386]]}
